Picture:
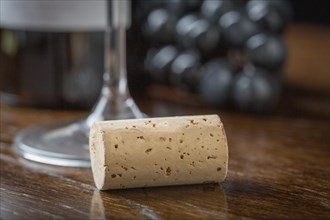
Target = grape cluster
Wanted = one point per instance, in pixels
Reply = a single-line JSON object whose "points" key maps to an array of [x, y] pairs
{"points": [[228, 52]]}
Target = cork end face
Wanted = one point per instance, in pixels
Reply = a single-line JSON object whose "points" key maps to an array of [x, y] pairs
{"points": [[96, 150], [223, 145], [226, 153]]}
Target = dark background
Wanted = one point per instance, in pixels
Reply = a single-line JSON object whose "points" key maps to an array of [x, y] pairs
{"points": [[311, 11]]}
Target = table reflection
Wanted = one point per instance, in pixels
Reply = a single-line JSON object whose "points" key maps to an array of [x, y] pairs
{"points": [[161, 202]]}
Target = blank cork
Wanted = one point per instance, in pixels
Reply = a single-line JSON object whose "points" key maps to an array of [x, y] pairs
{"points": [[158, 152]]}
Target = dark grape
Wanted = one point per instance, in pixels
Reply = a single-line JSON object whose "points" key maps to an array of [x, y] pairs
{"points": [[237, 28], [215, 83], [160, 26], [142, 9], [184, 69], [266, 50], [196, 32], [255, 90], [158, 62], [182, 29], [179, 7], [273, 15], [214, 9]]}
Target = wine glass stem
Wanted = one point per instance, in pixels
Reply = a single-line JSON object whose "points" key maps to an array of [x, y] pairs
{"points": [[115, 101], [115, 75]]}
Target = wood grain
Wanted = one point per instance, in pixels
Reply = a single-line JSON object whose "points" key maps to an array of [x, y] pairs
{"points": [[279, 168]]}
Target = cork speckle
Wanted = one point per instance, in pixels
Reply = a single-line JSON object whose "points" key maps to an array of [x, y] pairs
{"points": [[148, 150], [181, 156], [113, 175], [147, 122], [116, 146], [168, 171], [181, 141], [219, 169], [169, 148], [212, 157], [193, 122]]}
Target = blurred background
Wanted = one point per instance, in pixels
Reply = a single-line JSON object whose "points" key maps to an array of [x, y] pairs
{"points": [[256, 57]]}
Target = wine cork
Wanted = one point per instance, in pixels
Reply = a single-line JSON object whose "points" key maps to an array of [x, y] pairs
{"points": [[158, 151]]}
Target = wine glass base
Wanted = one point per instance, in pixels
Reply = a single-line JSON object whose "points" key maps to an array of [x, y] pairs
{"points": [[63, 144]]}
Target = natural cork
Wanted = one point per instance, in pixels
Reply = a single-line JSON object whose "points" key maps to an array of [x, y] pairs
{"points": [[158, 151]]}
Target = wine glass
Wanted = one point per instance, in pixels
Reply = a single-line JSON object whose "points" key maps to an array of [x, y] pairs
{"points": [[66, 143]]}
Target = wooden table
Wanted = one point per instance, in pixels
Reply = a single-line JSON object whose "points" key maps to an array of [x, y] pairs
{"points": [[279, 168]]}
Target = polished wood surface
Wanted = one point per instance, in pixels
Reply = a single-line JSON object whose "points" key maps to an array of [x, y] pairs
{"points": [[279, 168]]}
